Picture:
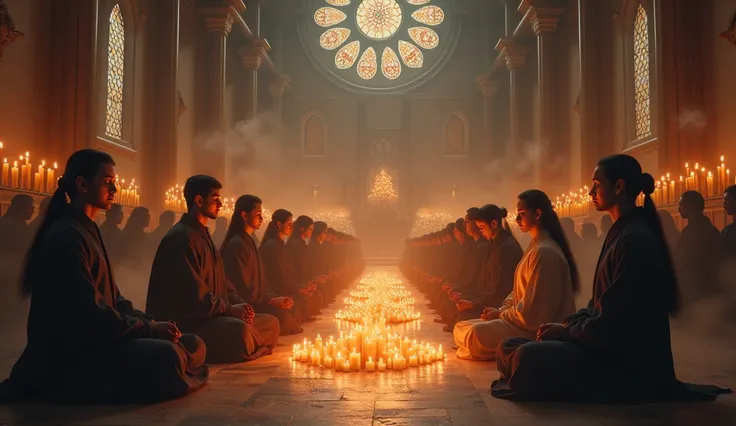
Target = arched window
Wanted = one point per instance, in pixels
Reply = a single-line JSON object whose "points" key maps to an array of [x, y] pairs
{"points": [[313, 135], [642, 75], [456, 134], [115, 75]]}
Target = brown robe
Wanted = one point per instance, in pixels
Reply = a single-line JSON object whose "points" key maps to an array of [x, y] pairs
{"points": [[86, 342], [189, 286]]}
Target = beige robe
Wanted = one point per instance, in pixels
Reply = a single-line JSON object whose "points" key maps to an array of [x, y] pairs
{"points": [[542, 294]]}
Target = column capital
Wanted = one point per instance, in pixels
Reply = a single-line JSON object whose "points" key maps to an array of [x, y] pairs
{"points": [[486, 85], [279, 84], [219, 15], [514, 54], [252, 55]]}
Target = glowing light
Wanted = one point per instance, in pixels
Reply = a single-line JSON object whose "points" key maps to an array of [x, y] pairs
{"points": [[383, 191], [426, 223]]}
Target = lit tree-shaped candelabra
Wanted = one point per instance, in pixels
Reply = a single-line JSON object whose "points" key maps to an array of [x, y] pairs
{"points": [[382, 192]]}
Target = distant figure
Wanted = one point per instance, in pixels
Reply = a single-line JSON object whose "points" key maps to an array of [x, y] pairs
{"points": [[696, 253], [136, 244], [220, 230], [728, 235], [670, 228], [618, 349], [42, 209], [188, 284], [86, 342], [111, 232], [14, 225], [544, 285], [165, 222]]}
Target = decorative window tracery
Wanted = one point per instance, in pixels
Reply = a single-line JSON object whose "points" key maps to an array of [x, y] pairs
{"points": [[115, 74]]}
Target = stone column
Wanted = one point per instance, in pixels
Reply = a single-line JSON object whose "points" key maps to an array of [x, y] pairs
{"points": [[252, 57], [276, 89], [489, 88], [514, 56], [219, 22], [544, 19]]}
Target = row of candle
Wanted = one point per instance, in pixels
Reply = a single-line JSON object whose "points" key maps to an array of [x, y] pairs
{"points": [[126, 195], [379, 299], [426, 223], [21, 175], [573, 204]]}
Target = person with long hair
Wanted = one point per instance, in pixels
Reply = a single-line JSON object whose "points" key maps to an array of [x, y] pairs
{"points": [[189, 285], [244, 267], [134, 241], [504, 253], [617, 350], [279, 270], [86, 342], [545, 282], [298, 253]]}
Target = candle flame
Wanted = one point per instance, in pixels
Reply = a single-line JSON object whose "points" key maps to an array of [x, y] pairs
{"points": [[55, 166], [15, 164], [27, 154], [43, 163]]}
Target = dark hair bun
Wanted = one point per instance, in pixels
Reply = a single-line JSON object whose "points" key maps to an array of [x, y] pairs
{"points": [[647, 184], [504, 213]]}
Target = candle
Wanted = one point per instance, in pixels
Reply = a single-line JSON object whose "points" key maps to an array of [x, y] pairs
{"points": [[381, 365], [6, 173], [37, 182], [339, 362], [346, 367], [440, 354], [709, 190], [14, 175], [327, 361], [318, 342], [370, 366], [50, 179], [354, 361], [23, 175]]}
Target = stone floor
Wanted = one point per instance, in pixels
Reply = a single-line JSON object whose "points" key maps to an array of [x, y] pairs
{"points": [[273, 391]]}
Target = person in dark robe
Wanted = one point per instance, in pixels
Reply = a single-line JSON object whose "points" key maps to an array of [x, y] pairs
{"points": [[317, 249], [618, 349], [504, 254], [220, 230], [165, 222], [188, 284], [297, 252], [111, 232], [86, 342], [606, 224], [14, 224], [43, 207], [697, 250], [244, 267], [280, 270], [135, 242]]}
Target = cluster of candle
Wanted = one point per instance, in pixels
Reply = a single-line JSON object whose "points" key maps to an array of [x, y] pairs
{"points": [[372, 346], [573, 204], [338, 221], [21, 175], [127, 194], [383, 191], [360, 349], [175, 199], [698, 178], [379, 299], [228, 207], [426, 223]]}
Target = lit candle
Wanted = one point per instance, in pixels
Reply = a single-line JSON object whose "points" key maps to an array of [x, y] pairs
{"points": [[37, 182], [40, 176], [346, 367], [709, 190], [327, 361], [50, 179], [354, 361], [6, 172], [370, 366], [23, 170], [339, 362], [381, 365], [315, 358], [318, 342], [14, 175]]}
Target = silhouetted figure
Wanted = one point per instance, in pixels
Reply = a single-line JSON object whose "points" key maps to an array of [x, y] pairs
{"points": [[697, 251], [42, 209], [165, 222], [617, 350], [220, 230], [188, 284], [136, 244], [14, 229], [86, 342], [670, 228], [111, 232]]}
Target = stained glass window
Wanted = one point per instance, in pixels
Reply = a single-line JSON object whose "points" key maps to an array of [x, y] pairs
{"points": [[642, 93], [115, 73], [378, 19], [387, 42]]}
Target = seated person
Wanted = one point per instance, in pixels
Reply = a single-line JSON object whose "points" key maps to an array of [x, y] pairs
{"points": [[617, 350], [244, 268], [86, 343], [544, 285], [188, 285]]}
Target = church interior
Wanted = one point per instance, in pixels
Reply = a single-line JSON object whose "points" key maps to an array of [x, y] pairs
{"points": [[387, 120]]}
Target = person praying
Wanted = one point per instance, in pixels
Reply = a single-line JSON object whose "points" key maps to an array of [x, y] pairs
{"points": [[188, 284], [86, 342], [697, 250], [504, 253], [244, 267], [545, 283], [618, 349], [280, 270], [298, 254]]}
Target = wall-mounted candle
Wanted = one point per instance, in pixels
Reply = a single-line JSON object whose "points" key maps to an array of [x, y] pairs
{"points": [[23, 169], [709, 190], [6, 173], [14, 175], [51, 179]]}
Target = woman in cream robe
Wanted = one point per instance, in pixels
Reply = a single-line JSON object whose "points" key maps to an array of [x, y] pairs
{"points": [[543, 286]]}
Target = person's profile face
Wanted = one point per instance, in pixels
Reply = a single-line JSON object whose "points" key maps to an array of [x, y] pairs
{"points": [[602, 193], [100, 190], [526, 219], [287, 227], [485, 229], [308, 232], [254, 218], [210, 205]]}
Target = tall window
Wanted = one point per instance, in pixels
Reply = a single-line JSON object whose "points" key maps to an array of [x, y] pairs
{"points": [[642, 88], [115, 73], [455, 135], [313, 135]]}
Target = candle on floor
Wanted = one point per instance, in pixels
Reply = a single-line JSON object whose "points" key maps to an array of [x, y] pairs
{"points": [[354, 361], [346, 367], [327, 361], [315, 358], [339, 362], [381, 365], [370, 366]]}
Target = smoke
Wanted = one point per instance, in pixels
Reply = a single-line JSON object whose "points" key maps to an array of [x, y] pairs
{"points": [[693, 120]]}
